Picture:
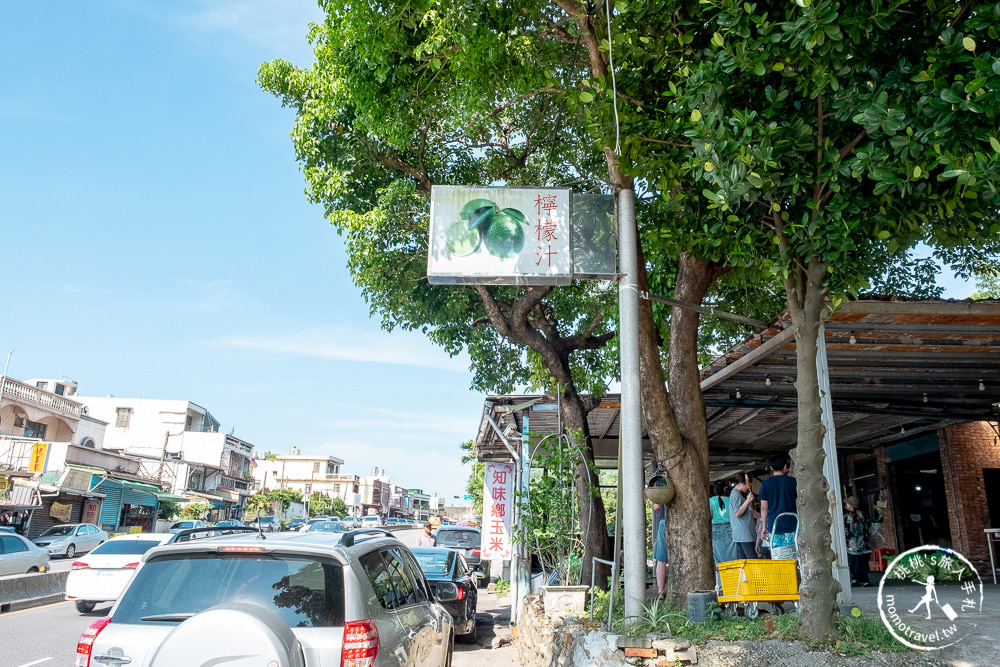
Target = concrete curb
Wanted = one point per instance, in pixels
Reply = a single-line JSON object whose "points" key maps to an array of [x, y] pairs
{"points": [[31, 590]]}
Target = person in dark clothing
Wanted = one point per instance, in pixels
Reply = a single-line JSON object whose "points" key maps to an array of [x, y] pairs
{"points": [[778, 494]]}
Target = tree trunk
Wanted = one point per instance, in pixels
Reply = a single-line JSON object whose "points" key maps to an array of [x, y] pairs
{"points": [[818, 589], [677, 427], [593, 520]]}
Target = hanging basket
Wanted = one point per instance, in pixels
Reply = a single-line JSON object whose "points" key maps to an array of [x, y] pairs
{"points": [[660, 489]]}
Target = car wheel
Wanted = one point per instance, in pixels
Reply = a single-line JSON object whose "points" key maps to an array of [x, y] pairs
{"points": [[70, 551], [85, 607], [472, 636], [32, 569]]}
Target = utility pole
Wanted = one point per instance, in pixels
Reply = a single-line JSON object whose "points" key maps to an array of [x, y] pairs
{"points": [[634, 530]]}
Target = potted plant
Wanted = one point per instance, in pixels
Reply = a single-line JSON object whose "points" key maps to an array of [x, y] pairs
{"points": [[549, 523]]}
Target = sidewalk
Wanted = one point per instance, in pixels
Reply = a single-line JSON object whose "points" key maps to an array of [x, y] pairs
{"points": [[493, 626]]}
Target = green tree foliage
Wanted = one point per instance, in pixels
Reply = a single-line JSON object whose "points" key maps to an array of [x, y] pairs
{"points": [[286, 496], [259, 504], [474, 485], [338, 508], [407, 95], [810, 144], [195, 511], [816, 140], [168, 510], [319, 504]]}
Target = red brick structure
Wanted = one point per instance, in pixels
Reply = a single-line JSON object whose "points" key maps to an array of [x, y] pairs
{"points": [[967, 450]]}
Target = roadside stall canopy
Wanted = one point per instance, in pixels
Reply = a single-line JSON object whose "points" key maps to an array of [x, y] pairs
{"points": [[898, 368]]}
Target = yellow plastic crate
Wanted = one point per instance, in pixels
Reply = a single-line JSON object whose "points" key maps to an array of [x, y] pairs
{"points": [[758, 581]]}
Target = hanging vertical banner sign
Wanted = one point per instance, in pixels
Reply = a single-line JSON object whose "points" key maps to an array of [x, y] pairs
{"points": [[38, 452], [500, 236], [498, 506]]}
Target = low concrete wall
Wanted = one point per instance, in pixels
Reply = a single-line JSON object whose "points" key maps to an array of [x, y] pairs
{"points": [[27, 589], [562, 640]]}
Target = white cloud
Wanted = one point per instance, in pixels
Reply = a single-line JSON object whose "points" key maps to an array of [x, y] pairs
{"points": [[279, 27], [340, 343]]}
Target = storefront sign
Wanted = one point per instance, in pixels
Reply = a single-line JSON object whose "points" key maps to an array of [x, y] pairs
{"points": [[501, 236], [498, 507], [91, 511], [38, 453], [61, 511]]}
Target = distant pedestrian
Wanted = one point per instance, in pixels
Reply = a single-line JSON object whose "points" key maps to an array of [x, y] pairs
{"points": [[858, 531], [660, 550], [741, 518], [778, 494], [723, 549], [427, 539]]}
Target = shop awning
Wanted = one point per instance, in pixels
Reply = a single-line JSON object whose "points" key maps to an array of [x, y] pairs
{"points": [[172, 497]]}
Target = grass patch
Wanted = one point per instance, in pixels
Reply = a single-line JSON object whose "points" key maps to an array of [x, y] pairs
{"points": [[859, 636]]}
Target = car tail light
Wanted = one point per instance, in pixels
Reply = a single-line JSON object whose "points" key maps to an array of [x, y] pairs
{"points": [[360, 644], [79, 565], [86, 643], [477, 551], [461, 593], [131, 566]]}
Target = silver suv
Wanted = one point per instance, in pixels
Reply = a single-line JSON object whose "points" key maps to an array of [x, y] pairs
{"points": [[355, 599]]}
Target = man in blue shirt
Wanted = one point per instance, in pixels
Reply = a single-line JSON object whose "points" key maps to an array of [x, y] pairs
{"points": [[777, 496]]}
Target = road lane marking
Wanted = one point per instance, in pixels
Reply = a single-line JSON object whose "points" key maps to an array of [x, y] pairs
{"points": [[36, 662]]}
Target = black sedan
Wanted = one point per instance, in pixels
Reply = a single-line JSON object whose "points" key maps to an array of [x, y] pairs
{"points": [[465, 540], [442, 565]]}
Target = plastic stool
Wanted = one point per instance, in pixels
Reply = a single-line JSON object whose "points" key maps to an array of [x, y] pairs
{"points": [[879, 557]]}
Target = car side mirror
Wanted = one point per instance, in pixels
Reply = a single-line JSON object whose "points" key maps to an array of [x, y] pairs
{"points": [[447, 591]]}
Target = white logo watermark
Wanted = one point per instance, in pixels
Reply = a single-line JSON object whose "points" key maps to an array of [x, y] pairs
{"points": [[930, 597]]}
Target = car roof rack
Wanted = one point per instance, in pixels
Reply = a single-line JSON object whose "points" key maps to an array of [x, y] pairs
{"points": [[189, 534], [349, 537]]}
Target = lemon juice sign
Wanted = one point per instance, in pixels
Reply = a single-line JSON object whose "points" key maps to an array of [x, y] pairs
{"points": [[501, 236]]}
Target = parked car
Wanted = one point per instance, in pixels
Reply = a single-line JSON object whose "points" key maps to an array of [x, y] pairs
{"points": [[266, 524], [294, 599], [70, 539], [311, 522], [18, 555], [327, 527], [448, 566], [228, 523], [371, 521], [101, 575], [295, 524], [7, 529], [185, 525], [467, 541]]}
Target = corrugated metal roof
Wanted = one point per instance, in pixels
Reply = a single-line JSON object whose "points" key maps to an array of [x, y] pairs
{"points": [[913, 367]]}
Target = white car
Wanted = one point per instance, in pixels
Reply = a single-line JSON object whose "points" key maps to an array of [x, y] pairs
{"points": [[288, 600], [185, 525], [370, 521], [102, 575], [70, 539]]}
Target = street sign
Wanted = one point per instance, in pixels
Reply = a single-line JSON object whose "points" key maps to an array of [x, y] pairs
{"points": [[467, 497]]}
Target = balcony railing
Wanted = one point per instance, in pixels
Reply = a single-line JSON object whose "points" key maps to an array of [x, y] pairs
{"points": [[24, 393], [234, 484]]}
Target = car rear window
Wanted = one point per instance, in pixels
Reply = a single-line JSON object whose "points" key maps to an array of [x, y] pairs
{"points": [[304, 592], [458, 538], [123, 547], [435, 563]]}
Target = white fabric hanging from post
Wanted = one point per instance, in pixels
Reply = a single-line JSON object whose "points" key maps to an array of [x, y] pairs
{"points": [[831, 471]]}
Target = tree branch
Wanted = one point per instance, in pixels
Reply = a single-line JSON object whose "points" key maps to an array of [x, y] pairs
{"points": [[852, 144]]}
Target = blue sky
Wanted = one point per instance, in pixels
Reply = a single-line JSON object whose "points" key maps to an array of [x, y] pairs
{"points": [[156, 240]]}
